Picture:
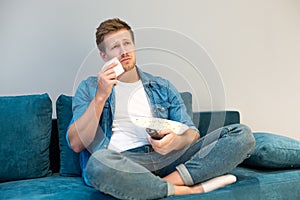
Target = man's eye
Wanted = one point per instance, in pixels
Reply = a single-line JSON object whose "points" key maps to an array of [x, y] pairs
{"points": [[115, 46], [127, 43]]}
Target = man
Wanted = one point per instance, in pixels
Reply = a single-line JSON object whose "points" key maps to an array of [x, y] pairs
{"points": [[120, 159]]}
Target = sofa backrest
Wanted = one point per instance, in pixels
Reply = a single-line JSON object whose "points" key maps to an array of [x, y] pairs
{"points": [[69, 161], [27, 130]]}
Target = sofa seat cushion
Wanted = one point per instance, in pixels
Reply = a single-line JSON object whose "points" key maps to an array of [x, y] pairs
{"points": [[52, 187], [25, 130], [256, 184], [252, 185]]}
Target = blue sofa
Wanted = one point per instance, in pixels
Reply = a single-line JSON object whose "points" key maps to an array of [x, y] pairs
{"points": [[36, 162]]}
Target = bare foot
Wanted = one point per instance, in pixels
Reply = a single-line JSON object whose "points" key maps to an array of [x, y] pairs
{"points": [[182, 190]]}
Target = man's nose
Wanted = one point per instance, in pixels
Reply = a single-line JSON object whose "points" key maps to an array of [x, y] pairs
{"points": [[123, 50]]}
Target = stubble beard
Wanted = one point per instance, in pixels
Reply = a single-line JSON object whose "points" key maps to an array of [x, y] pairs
{"points": [[130, 66]]}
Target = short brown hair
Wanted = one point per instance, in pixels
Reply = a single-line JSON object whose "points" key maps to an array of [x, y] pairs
{"points": [[109, 26]]}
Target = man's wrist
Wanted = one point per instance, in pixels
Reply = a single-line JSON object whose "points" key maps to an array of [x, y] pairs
{"points": [[99, 99], [98, 103], [196, 136]]}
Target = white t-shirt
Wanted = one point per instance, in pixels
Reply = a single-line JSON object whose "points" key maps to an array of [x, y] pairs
{"points": [[131, 100]]}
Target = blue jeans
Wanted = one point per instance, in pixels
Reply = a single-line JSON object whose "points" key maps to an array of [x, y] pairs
{"points": [[135, 174]]}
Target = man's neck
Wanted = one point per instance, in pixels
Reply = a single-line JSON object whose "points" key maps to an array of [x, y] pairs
{"points": [[129, 76]]}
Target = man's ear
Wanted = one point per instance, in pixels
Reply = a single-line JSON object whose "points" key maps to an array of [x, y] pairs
{"points": [[103, 56]]}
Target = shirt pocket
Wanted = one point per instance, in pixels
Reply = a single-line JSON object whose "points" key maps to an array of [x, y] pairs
{"points": [[161, 110]]}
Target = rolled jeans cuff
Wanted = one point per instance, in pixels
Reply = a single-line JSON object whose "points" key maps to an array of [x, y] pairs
{"points": [[171, 190], [185, 175]]}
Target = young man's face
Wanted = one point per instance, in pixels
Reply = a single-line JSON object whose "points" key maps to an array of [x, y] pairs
{"points": [[120, 44]]}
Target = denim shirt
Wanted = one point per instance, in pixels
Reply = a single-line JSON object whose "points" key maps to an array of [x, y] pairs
{"points": [[164, 99]]}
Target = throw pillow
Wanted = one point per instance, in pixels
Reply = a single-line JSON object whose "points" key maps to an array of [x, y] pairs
{"points": [[69, 160], [25, 129], [274, 151]]}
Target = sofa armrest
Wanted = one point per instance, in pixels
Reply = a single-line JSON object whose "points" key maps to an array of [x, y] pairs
{"points": [[211, 120]]}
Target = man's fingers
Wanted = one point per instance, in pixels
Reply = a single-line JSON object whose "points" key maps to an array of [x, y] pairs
{"points": [[164, 131], [160, 143], [111, 66], [112, 76], [107, 74]]}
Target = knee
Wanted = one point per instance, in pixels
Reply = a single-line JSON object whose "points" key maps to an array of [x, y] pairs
{"points": [[98, 166], [246, 137], [241, 135], [248, 134]]}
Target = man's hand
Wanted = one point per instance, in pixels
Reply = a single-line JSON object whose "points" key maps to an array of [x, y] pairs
{"points": [[106, 79], [171, 141]]}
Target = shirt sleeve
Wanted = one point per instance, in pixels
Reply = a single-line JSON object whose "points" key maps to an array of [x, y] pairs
{"points": [[178, 111], [81, 101]]}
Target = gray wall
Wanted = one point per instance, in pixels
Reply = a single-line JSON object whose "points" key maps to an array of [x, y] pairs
{"points": [[233, 54]]}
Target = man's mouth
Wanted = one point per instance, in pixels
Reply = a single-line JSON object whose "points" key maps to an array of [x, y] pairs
{"points": [[124, 59]]}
